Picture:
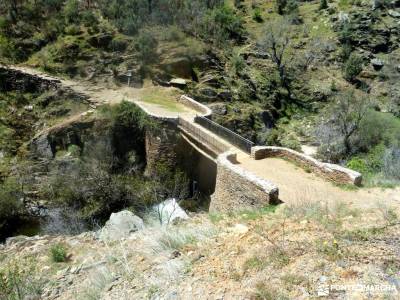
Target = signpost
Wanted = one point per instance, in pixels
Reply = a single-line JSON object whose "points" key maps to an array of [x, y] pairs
{"points": [[129, 74]]}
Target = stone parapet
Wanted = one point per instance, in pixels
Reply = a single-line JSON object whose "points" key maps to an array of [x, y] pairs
{"points": [[329, 171], [203, 110], [238, 189]]}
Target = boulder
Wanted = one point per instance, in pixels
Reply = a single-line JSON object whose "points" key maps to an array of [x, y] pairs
{"points": [[393, 13], [41, 147], [178, 82], [120, 225], [169, 211], [377, 63], [218, 108], [178, 66]]}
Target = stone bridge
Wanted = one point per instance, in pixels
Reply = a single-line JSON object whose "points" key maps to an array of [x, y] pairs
{"points": [[236, 174], [238, 182]]}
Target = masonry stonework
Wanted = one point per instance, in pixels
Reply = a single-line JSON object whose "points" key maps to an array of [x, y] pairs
{"points": [[237, 189], [328, 171]]}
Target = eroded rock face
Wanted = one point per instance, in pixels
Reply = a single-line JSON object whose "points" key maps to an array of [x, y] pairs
{"points": [[120, 225]]}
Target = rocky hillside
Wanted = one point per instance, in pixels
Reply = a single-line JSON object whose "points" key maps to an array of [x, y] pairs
{"points": [[293, 252], [277, 72]]}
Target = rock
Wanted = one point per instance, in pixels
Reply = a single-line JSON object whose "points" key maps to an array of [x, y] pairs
{"points": [[41, 147], [267, 119], [377, 64], [239, 229], [208, 94], [120, 225], [16, 239], [225, 95], [393, 13], [178, 66], [178, 82], [343, 17], [170, 211], [218, 108]]}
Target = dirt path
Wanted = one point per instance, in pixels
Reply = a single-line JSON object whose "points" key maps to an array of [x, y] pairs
{"points": [[149, 97], [296, 186]]}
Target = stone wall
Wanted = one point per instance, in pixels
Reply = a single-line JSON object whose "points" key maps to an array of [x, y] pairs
{"points": [[331, 172], [12, 79], [237, 189], [189, 102], [160, 146], [198, 133]]}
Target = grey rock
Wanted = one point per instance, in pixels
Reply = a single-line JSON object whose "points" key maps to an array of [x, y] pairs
{"points": [[377, 63], [41, 147], [120, 225], [393, 13], [218, 108], [178, 82]]}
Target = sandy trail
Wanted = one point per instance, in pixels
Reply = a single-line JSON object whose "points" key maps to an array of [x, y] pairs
{"points": [[297, 186]]}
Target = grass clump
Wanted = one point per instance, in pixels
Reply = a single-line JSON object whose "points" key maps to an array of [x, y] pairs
{"points": [[176, 240], [19, 281], [264, 291], [58, 253], [257, 213], [254, 263]]}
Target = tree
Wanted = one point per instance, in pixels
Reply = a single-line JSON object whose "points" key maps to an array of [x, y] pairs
{"points": [[276, 43], [344, 121], [352, 67]]}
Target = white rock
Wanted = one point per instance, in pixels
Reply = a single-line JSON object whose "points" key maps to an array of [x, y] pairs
{"points": [[120, 225], [169, 210], [239, 229]]}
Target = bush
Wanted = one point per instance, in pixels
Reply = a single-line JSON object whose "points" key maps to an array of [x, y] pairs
{"points": [[58, 253], [352, 67], [391, 163], [11, 205], [257, 15], [19, 280], [323, 4], [146, 45], [71, 11], [118, 43], [280, 6], [377, 128]]}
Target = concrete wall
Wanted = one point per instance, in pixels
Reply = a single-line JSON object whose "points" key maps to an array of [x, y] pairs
{"points": [[331, 172], [237, 189]]}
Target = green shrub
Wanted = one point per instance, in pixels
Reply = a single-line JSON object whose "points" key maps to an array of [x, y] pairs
{"points": [[58, 253], [257, 15], [352, 67], [19, 280], [11, 205], [358, 164], [72, 29], [280, 6], [71, 11], [118, 43], [323, 4], [391, 163], [146, 45]]}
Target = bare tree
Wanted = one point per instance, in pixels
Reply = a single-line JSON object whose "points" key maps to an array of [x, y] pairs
{"points": [[276, 43], [345, 117]]}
